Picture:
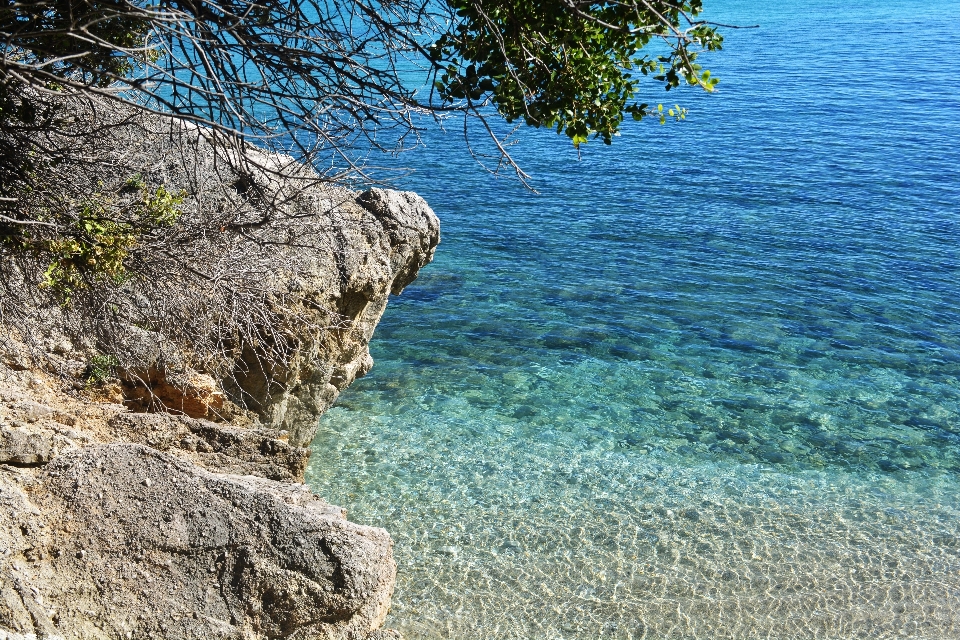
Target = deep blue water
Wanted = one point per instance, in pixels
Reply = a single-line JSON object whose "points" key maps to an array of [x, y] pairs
{"points": [[706, 383]]}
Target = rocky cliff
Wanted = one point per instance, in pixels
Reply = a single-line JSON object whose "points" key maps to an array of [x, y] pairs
{"points": [[166, 501]]}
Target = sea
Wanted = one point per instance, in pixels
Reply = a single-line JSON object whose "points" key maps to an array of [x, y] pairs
{"points": [[703, 383]]}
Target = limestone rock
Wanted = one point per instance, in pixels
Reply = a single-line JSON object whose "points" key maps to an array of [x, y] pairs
{"points": [[189, 393], [123, 541], [413, 228], [363, 248], [156, 536], [216, 447], [21, 445], [382, 239]]}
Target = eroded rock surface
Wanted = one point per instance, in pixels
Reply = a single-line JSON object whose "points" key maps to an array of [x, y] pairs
{"points": [[116, 524], [380, 242], [121, 540], [361, 249], [191, 522]]}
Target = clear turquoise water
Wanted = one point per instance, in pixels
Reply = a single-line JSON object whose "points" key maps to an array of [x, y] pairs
{"points": [[707, 383]]}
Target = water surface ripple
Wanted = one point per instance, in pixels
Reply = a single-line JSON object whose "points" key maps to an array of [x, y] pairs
{"points": [[707, 384]]}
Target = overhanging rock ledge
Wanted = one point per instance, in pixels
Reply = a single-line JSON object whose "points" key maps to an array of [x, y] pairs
{"points": [[193, 522]]}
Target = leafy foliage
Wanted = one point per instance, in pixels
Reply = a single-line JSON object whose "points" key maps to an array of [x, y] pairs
{"points": [[101, 238], [570, 65], [311, 83], [93, 239], [100, 368]]}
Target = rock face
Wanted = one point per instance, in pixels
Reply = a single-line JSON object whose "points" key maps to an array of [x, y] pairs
{"points": [[121, 540], [258, 302], [168, 503], [223, 448], [382, 240], [362, 249], [193, 394]]}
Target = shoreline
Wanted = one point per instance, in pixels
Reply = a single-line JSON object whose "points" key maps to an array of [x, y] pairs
{"points": [[194, 522]]}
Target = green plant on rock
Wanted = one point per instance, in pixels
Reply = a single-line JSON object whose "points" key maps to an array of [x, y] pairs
{"points": [[98, 250], [101, 368], [162, 208], [103, 235]]}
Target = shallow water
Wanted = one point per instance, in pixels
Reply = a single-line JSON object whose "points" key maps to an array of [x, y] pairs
{"points": [[707, 384]]}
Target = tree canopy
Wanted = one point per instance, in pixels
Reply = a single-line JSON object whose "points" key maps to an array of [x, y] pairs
{"points": [[323, 82], [569, 65], [318, 74]]}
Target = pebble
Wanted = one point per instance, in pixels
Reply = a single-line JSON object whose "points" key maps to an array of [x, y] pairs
{"points": [[148, 482]]}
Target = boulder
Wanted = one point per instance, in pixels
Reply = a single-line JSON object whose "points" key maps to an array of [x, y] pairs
{"points": [[382, 239], [124, 541], [151, 456]]}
